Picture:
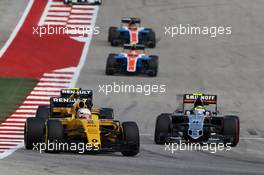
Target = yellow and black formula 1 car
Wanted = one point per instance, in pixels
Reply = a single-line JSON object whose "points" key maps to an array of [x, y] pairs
{"points": [[63, 130], [76, 93]]}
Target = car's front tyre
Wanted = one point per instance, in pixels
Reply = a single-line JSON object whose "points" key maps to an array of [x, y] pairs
{"points": [[131, 139], [33, 132]]}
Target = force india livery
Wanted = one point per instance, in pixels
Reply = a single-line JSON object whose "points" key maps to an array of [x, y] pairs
{"points": [[131, 32], [198, 120], [71, 118], [132, 60]]}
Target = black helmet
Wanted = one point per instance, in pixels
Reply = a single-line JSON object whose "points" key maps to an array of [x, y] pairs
{"points": [[198, 102]]}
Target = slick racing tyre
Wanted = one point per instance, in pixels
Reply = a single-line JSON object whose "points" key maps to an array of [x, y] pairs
{"points": [[131, 139], [67, 1], [110, 65], [54, 135], [111, 33], [231, 129], [152, 39], [162, 128], [113, 36], [33, 132], [43, 112], [153, 66], [106, 113], [98, 2]]}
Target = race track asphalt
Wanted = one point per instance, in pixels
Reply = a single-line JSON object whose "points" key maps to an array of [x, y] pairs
{"points": [[230, 66]]}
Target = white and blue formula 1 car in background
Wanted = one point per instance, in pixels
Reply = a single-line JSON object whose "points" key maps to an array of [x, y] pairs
{"points": [[133, 60], [131, 32]]}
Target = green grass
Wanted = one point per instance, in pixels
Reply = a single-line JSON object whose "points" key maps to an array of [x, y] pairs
{"points": [[12, 92]]}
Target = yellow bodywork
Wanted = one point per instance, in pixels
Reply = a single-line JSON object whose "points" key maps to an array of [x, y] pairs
{"points": [[88, 130]]}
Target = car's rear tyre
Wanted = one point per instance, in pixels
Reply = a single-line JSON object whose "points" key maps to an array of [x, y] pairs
{"points": [[106, 113], [153, 66], [131, 139], [54, 136], [152, 40], [113, 36], [162, 128], [111, 32], [43, 112], [33, 132], [110, 65], [231, 129]]}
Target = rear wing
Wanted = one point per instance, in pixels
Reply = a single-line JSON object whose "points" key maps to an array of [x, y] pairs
{"points": [[135, 46], [83, 94], [62, 102], [131, 20], [207, 99]]}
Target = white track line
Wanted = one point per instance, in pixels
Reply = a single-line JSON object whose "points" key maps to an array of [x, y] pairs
{"points": [[15, 132], [82, 6], [55, 80], [77, 26], [22, 115], [17, 28], [14, 140], [60, 8], [30, 107], [37, 102], [54, 23], [81, 16], [44, 14], [68, 70], [85, 50], [53, 84], [56, 3], [12, 136], [66, 14], [81, 11], [10, 127], [79, 21], [38, 97], [46, 89], [26, 111], [57, 75], [57, 18], [10, 151], [44, 93]]}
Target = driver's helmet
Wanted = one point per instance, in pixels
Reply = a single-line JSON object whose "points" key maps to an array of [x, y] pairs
{"points": [[198, 102], [84, 113], [199, 110], [75, 95], [133, 52], [132, 26]]}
